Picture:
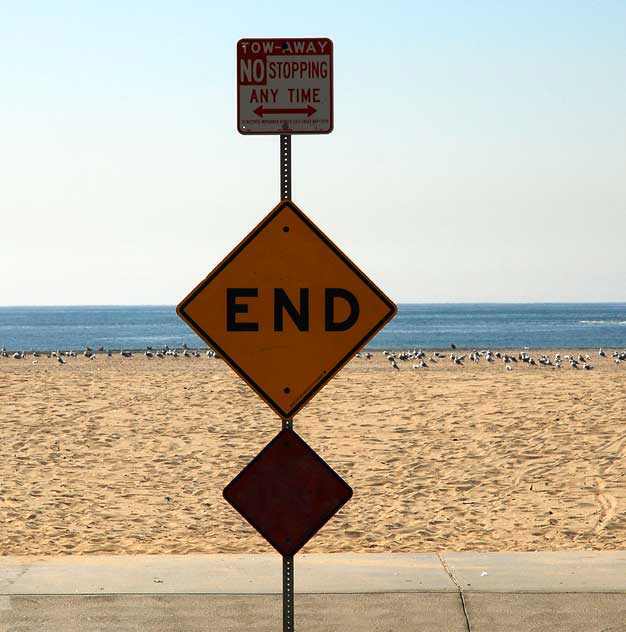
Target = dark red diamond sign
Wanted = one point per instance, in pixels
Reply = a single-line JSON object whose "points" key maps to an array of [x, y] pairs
{"points": [[287, 492]]}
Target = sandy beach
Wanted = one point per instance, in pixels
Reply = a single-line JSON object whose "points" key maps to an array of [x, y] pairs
{"points": [[130, 455]]}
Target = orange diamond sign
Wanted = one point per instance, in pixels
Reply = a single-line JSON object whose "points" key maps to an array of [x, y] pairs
{"points": [[286, 309]]}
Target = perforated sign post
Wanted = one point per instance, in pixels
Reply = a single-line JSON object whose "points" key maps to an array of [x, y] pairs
{"points": [[286, 309]]}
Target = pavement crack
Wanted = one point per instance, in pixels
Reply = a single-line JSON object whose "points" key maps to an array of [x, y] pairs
{"points": [[461, 593]]}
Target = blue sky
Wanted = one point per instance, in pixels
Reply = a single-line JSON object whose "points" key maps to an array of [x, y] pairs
{"points": [[478, 151]]}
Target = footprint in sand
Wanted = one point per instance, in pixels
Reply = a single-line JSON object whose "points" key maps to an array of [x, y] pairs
{"points": [[607, 502]]}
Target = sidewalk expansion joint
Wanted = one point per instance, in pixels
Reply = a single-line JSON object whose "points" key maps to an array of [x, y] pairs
{"points": [[458, 585]]}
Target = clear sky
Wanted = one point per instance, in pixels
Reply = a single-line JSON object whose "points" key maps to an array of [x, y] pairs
{"points": [[479, 151]]}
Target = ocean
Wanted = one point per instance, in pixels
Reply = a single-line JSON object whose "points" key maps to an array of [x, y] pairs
{"points": [[467, 325]]}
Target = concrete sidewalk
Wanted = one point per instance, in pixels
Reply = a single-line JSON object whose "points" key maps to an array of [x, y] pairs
{"points": [[451, 592]]}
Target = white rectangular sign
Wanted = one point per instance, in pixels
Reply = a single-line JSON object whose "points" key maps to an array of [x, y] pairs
{"points": [[285, 86]]}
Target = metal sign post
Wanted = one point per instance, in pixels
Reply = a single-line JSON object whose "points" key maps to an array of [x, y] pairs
{"points": [[285, 167], [288, 613], [288, 560]]}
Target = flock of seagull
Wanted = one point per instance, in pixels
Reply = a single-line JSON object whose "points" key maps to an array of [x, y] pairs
{"points": [[507, 359], [418, 357], [91, 354]]}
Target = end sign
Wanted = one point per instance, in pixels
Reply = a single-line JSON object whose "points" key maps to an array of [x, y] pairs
{"points": [[285, 86], [286, 309]]}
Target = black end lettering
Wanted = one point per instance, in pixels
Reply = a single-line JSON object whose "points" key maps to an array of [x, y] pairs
{"points": [[233, 308], [330, 294], [282, 302]]}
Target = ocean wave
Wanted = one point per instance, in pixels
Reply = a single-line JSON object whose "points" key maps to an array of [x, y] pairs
{"points": [[602, 322]]}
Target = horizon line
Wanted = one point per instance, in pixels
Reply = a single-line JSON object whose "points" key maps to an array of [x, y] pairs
{"points": [[173, 305]]}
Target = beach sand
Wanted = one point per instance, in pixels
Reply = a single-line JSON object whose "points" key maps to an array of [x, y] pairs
{"points": [[124, 456]]}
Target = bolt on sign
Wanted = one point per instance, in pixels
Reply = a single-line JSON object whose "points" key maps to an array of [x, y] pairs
{"points": [[285, 86], [286, 309]]}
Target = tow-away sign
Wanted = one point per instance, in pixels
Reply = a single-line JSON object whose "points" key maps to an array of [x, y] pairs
{"points": [[285, 86]]}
